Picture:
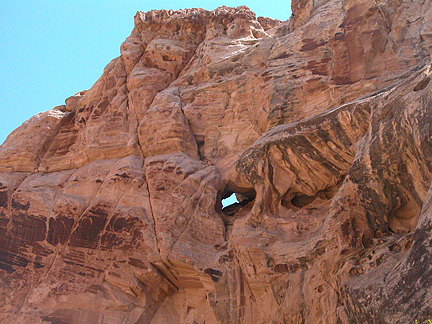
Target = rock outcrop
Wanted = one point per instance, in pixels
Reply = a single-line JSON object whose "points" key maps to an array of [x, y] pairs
{"points": [[110, 206]]}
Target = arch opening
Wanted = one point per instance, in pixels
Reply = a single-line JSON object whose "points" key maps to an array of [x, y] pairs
{"points": [[230, 200]]}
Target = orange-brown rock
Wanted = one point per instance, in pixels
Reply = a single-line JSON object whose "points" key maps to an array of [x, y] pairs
{"points": [[110, 206]]}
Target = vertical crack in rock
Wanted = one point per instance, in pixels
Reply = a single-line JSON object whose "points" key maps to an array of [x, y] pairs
{"points": [[77, 220], [10, 204], [154, 220]]}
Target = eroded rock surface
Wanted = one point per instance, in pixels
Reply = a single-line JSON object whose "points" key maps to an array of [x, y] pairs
{"points": [[110, 206]]}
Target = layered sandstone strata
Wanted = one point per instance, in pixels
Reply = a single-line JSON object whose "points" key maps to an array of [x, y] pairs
{"points": [[110, 206]]}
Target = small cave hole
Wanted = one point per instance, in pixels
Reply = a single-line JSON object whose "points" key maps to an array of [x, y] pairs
{"points": [[302, 200], [295, 200], [166, 58], [422, 84]]}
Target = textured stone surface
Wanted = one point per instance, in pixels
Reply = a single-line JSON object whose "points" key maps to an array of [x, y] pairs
{"points": [[110, 206]]}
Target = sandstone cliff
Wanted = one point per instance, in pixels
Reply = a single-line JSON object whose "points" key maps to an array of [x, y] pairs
{"points": [[110, 206]]}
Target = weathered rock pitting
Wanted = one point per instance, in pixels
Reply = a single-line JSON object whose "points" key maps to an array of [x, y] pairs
{"points": [[110, 206]]}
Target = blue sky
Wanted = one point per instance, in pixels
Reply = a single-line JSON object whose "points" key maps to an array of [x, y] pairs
{"points": [[52, 49]]}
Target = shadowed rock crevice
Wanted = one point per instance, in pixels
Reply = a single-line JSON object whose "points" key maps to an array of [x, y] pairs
{"points": [[295, 200]]}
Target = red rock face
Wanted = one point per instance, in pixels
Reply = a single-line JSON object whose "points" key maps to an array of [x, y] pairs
{"points": [[110, 206]]}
